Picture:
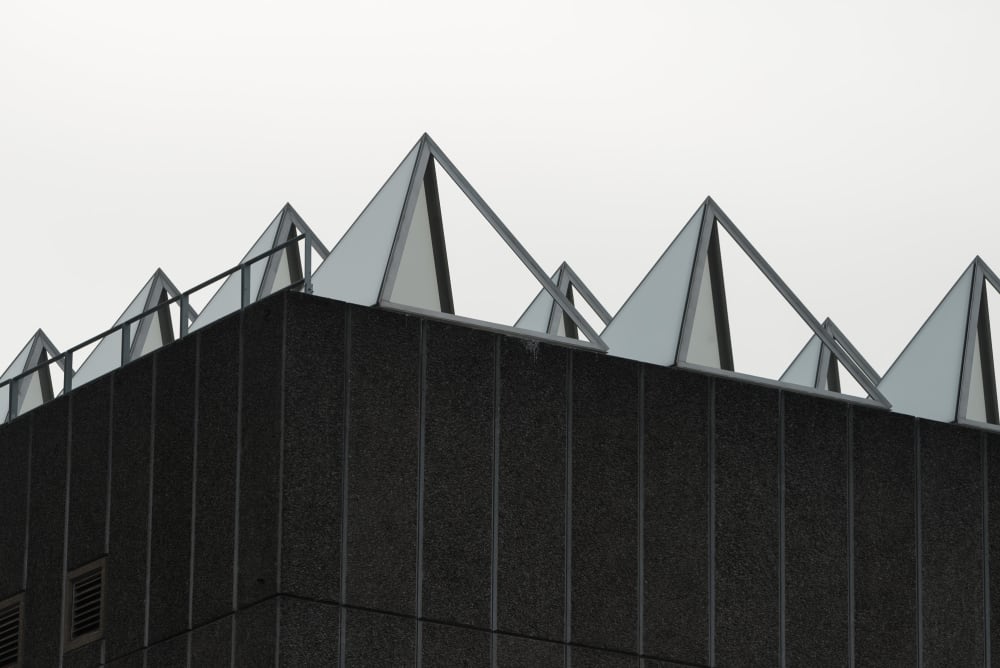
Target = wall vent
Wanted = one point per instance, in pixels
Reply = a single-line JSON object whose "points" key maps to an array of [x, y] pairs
{"points": [[85, 604], [10, 632]]}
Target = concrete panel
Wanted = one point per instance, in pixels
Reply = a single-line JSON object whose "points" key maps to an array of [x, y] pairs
{"points": [[516, 652], [309, 633], [260, 458], [885, 586], [136, 659], [130, 470], [173, 459], [211, 644], [605, 555], [15, 448], [313, 448], [43, 595], [993, 529], [458, 465], [816, 531], [585, 657], [170, 653], [256, 631], [382, 470], [675, 512], [215, 497], [88, 488], [87, 656], [746, 524], [378, 640], [446, 646], [533, 419], [951, 510]]}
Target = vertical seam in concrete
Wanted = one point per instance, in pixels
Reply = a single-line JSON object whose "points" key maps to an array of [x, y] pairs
{"points": [[987, 648], [194, 487], [149, 496], [421, 454], [107, 485], [279, 529], [342, 637], [641, 509], [27, 505], [65, 546], [568, 515], [236, 484], [495, 509], [850, 540], [711, 522], [918, 511], [782, 619]]}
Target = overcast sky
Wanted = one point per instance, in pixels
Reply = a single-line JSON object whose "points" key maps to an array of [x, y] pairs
{"points": [[854, 143]]}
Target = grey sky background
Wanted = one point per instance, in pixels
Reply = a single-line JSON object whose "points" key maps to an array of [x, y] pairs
{"points": [[853, 143]]}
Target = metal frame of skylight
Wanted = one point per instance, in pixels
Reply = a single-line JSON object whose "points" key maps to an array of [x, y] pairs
{"points": [[65, 359], [977, 325], [427, 150], [569, 280], [707, 250]]}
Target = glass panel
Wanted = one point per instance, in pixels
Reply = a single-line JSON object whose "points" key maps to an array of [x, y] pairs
{"points": [[104, 358], [704, 346], [848, 384], [976, 407], [647, 326], [802, 370], [416, 281], [923, 381], [354, 269], [489, 282], [536, 316], [765, 330]]}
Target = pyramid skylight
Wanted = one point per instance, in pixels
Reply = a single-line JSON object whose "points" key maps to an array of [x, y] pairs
{"points": [[395, 255], [545, 315], [947, 371], [817, 366], [32, 390], [686, 313], [273, 263], [144, 335]]}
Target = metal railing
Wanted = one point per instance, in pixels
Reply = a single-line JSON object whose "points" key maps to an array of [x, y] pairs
{"points": [[183, 300]]}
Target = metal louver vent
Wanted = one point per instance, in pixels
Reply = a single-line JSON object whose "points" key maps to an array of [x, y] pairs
{"points": [[10, 633], [85, 600]]}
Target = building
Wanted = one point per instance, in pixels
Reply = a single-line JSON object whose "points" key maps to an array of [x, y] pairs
{"points": [[303, 481]]}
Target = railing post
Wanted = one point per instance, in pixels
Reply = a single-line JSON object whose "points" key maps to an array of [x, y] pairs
{"points": [[184, 315], [68, 372], [125, 342], [244, 285], [307, 287]]}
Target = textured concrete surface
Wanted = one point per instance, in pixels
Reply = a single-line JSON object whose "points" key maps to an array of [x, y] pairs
{"points": [[675, 513], [15, 448], [885, 566], [746, 524], [533, 431], [173, 460], [816, 441], [605, 552]]}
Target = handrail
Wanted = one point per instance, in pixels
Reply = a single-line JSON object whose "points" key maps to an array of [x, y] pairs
{"points": [[65, 358]]}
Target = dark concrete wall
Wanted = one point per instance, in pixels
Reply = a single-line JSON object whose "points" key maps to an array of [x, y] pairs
{"points": [[311, 483]]}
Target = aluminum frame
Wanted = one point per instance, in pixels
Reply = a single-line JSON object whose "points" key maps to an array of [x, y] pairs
{"points": [[40, 351], [827, 375], [428, 153], [569, 283], [707, 251]]}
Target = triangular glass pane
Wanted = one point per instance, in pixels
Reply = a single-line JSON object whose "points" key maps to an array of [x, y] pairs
{"points": [[802, 370], [765, 330], [489, 282], [924, 379], [585, 309], [416, 281], [703, 348], [536, 316], [976, 407], [647, 327], [354, 269]]}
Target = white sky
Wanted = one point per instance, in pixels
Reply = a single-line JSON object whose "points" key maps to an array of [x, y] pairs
{"points": [[853, 143]]}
